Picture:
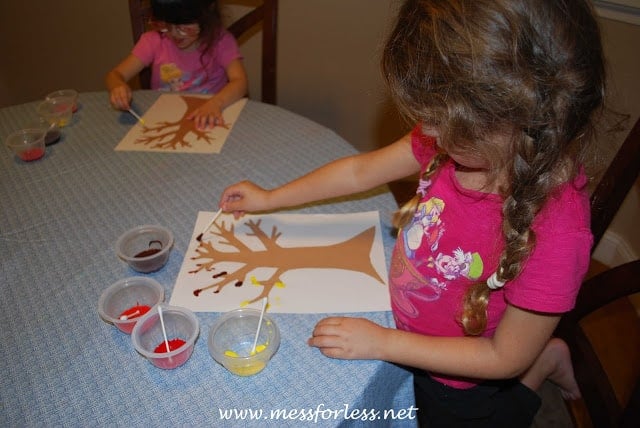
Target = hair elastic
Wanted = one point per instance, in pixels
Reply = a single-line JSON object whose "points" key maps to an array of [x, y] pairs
{"points": [[493, 282]]}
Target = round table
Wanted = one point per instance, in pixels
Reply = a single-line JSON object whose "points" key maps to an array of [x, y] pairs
{"points": [[60, 218]]}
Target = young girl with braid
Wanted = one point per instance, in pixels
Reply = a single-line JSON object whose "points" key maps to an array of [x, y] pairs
{"points": [[493, 248]]}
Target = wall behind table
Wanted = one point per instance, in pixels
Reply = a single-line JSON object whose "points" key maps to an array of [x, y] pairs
{"points": [[49, 45]]}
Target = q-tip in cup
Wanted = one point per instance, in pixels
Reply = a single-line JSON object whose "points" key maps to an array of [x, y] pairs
{"points": [[164, 331], [255, 341], [131, 315], [215, 216]]}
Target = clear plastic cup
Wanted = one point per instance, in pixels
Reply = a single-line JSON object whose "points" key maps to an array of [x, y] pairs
{"points": [[231, 341], [145, 248], [56, 111], [27, 144], [72, 93], [126, 301], [182, 330]]}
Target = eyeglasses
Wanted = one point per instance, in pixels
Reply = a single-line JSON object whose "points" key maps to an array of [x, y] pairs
{"points": [[183, 30]]}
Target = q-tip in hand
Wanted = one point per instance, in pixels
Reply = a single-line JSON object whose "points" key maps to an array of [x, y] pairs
{"points": [[215, 216], [137, 116]]}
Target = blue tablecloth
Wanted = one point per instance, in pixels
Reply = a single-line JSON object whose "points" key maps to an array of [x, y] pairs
{"points": [[62, 365]]}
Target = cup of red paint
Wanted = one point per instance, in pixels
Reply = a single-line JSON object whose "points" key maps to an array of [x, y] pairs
{"points": [[27, 144], [182, 329], [66, 93], [126, 301]]}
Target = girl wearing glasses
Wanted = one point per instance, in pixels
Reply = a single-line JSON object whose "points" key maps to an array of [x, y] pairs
{"points": [[188, 50]]}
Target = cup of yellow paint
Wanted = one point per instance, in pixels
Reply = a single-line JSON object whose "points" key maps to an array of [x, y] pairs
{"points": [[231, 340]]}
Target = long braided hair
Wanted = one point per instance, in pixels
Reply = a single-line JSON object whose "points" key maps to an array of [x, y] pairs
{"points": [[529, 69]]}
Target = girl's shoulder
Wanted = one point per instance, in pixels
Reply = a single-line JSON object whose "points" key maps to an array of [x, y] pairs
{"points": [[224, 46], [150, 41], [567, 209], [423, 146], [151, 37], [147, 47], [225, 39]]}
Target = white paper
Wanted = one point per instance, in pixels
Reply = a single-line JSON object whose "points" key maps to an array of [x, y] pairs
{"points": [[166, 130], [324, 240]]}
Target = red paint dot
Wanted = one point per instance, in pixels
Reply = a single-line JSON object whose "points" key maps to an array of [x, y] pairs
{"points": [[173, 345], [31, 154]]}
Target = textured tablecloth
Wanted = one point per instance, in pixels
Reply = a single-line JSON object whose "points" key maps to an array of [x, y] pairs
{"points": [[61, 365]]}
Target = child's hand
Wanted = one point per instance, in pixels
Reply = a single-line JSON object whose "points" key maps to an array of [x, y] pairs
{"points": [[120, 97], [242, 197], [348, 338], [208, 115]]}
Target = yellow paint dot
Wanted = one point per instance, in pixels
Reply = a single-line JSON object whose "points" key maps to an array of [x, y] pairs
{"points": [[230, 353], [254, 281], [279, 284], [259, 348], [249, 370]]}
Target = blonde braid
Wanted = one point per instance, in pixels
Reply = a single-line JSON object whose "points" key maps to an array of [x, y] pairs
{"points": [[405, 213]]}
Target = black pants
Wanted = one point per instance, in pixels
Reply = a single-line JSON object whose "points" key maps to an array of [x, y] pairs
{"points": [[503, 403]]}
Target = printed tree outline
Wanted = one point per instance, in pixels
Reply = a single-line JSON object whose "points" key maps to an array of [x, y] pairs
{"points": [[159, 133], [352, 254]]}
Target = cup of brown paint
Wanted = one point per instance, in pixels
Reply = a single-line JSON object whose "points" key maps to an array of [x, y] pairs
{"points": [[145, 248]]}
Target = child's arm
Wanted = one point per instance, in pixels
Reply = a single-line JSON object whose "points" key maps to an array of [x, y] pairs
{"points": [[338, 178], [518, 340], [117, 82], [210, 113]]}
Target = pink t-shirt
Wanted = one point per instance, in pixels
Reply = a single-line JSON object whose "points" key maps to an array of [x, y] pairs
{"points": [[455, 240], [173, 69]]}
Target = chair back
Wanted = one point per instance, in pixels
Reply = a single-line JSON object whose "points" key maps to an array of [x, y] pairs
{"points": [[140, 14], [265, 14], [603, 329], [615, 184], [605, 349]]}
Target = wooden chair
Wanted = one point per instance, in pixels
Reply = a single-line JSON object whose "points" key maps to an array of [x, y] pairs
{"points": [[603, 330], [265, 14], [140, 14], [615, 184], [603, 334]]}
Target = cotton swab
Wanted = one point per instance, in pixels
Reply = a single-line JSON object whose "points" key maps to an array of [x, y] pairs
{"points": [[215, 216], [255, 341], [131, 315], [141, 120], [164, 332]]}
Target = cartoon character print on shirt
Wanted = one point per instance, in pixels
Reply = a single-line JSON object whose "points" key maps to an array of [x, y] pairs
{"points": [[411, 285], [174, 79], [426, 228], [459, 264]]}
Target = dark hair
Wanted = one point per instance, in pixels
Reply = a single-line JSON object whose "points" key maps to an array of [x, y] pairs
{"points": [[180, 11], [529, 69], [205, 13]]}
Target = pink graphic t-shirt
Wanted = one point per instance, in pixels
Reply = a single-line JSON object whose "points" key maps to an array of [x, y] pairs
{"points": [[455, 240], [173, 69]]}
